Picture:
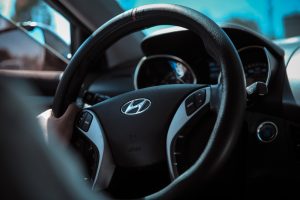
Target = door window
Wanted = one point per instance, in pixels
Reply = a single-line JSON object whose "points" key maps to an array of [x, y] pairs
{"points": [[33, 36]]}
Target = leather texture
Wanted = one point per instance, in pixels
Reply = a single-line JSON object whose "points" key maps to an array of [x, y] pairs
{"points": [[219, 46]]}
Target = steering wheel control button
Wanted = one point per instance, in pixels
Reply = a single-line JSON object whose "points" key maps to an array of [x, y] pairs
{"points": [[84, 121], [194, 101], [81, 119], [87, 122], [199, 98], [267, 132], [190, 105]]}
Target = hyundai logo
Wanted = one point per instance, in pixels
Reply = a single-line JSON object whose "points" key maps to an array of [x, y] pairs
{"points": [[136, 106]]}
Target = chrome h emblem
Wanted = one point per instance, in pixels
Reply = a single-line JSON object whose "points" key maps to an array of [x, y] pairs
{"points": [[136, 106]]}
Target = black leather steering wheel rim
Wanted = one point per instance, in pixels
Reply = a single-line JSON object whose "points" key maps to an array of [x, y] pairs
{"points": [[217, 43]]}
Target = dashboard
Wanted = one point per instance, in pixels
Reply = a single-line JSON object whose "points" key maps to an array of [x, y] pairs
{"points": [[190, 55], [168, 69], [178, 56]]}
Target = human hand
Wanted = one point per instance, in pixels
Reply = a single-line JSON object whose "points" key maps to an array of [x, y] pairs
{"points": [[62, 127]]}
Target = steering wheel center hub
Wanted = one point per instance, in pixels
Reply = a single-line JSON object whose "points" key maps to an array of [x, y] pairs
{"points": [[137, 123]]}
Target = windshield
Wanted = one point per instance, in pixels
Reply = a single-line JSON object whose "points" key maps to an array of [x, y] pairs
{"points": [[273, 18]]}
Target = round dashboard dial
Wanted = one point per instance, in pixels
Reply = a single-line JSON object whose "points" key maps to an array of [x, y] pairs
{"points": [[257, 71], [162, 69], [256, 64]]}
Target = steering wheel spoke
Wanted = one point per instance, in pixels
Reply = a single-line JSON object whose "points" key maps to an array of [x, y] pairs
{"points": [[195, 104], [91, 128]]}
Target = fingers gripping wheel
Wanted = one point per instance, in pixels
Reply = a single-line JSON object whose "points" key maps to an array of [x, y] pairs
{"points": [[232, 101]]}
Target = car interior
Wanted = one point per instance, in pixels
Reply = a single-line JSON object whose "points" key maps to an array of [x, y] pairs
{"points": [[174, 104]]}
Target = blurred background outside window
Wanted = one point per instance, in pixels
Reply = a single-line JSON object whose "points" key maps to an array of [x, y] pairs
{"points": [[273, 18]]}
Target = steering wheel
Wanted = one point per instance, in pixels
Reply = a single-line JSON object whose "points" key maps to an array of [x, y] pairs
{"points": [[138, 128]]}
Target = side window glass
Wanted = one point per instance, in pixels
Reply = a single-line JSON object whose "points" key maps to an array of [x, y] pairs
{"points": [[19, 51], [36, 14], [37, 30]]}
